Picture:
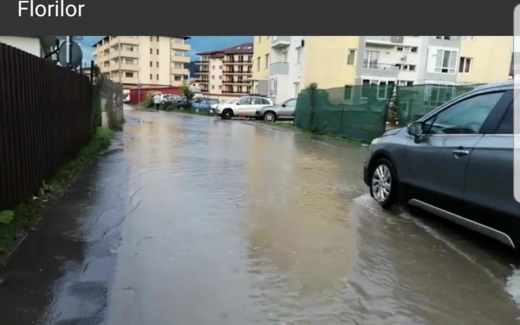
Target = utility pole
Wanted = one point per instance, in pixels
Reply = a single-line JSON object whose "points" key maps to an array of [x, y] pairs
{"points": [[69, 49], [119, 59]]}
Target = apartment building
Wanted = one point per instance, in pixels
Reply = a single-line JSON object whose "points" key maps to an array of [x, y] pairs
{"points": [[337, 61], [226, 72], [150, 61]]}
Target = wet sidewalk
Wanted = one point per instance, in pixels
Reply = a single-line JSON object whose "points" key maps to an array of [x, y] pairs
{"points": [[192, 220]]}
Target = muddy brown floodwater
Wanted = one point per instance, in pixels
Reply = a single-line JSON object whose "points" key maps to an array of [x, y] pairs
{"points": [[193, 220]]}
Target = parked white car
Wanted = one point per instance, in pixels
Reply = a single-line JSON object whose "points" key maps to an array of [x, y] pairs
{"points": [[243, 107]]}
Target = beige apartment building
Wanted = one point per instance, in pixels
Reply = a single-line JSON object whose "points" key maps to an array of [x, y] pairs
{"points": [[226, 72], [152, 61]]}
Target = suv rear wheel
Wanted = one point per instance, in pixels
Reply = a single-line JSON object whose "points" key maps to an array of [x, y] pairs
{"points": [[383, 183]]}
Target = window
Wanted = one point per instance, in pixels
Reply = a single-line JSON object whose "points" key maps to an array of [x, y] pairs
{"points": [[151, 40], [178, 40], [157, 38], [220, 67], [219, 86], [257, 101], [178, 53], [129, 61], [220, 77], [178, 65], [129, 74], [506, 125], [445, 61], [464, 64], [351, 58], [468, 38], [156, 64], [465, 117], [264, 101], [267, 61], [213, 77], [404, 83], [258, 64], [151, 76], [296, 88], [177, 78], [370, 59], [156, 77], [347, 93], [151, 51], [443, 37], [213, 87], [157, 51], [151, 64], [414, 49], [299, 54], [213, 67], [406, 49], [384, 88], [130, 48], [245, 101]]}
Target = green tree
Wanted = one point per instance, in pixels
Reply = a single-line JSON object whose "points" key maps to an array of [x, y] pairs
{"points": [[186, 91]]}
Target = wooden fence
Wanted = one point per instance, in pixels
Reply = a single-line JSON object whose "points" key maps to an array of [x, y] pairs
{"points": [[45, 119]]}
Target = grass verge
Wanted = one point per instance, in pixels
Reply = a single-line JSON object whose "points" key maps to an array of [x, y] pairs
{"points": [[325, 136], [15, 224]]}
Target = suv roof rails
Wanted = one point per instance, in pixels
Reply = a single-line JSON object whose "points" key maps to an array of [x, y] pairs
{"points": [[256, 95]]}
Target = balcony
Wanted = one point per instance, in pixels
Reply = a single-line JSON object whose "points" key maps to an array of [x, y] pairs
{"points": [[237, 62], [243, 72], [279, 42], [179, 71], [180, 46], [129, 54], [236, 82], [376, 69], [202, 62], [388, 41], [279, 68], [124, 40], [202, 72], [202, 81], [180, 59], [236, 92]]}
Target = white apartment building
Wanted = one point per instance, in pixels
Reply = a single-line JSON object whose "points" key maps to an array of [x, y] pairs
{"points": [[285, 67]]}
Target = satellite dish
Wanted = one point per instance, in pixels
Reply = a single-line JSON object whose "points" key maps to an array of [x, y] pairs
{"points": [[76, 55]]}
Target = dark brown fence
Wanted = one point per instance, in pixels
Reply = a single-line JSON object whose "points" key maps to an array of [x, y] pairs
{"points": [[45, 119]]}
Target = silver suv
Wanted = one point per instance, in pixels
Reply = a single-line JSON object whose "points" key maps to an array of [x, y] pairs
{"points": [[456, 162], [244, 107]]}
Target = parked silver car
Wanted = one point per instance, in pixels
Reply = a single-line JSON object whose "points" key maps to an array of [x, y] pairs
{"points": [[456, 162], [283, 111]]}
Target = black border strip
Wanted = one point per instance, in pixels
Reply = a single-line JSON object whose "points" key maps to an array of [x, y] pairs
{"points": [[269, 17]]}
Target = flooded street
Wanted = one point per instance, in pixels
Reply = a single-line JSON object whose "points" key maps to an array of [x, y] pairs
{"points": [[192, 220]]}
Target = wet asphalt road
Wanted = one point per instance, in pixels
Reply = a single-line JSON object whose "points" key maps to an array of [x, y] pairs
{"points": [[192, 220]]}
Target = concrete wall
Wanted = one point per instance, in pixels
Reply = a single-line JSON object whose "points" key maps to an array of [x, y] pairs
{"points": [[261, 47], [491, 58], [325, 61]]}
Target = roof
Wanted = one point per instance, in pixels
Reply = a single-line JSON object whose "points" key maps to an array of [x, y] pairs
{"points": [[106, 38], [496, 85], [244, 48]]}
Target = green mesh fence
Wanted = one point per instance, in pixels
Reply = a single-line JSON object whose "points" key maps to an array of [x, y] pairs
{"points": [[354, 112], [415, 101]]}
